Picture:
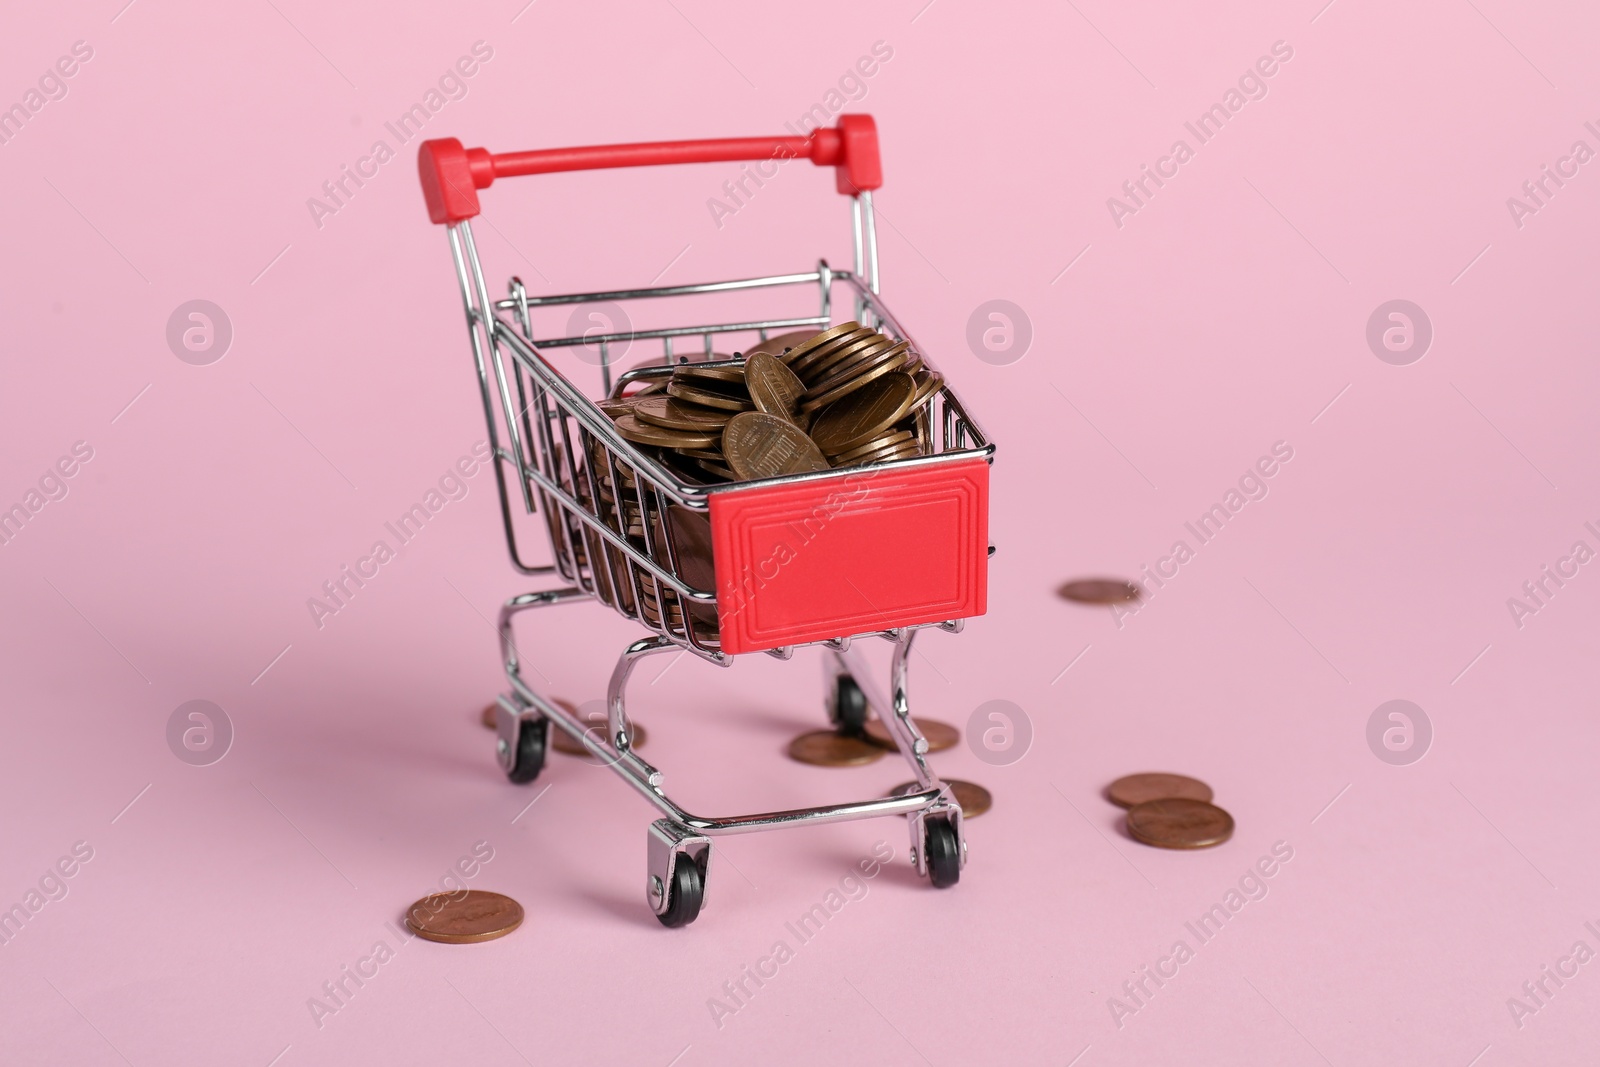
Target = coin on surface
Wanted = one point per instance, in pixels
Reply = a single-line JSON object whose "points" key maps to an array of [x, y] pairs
{"points": [[773, 387], [824, 748], [1099, 591], [488, 717], [758, 445], [464, 916], [863, 415], [776, 346], [1177, 822], [973, 798], [940, 735], [1138, 788]]}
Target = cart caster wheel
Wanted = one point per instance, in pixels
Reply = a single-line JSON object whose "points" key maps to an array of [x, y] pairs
{"points": [[528, 760], [849, 707], [942, 852], [685, 895]]}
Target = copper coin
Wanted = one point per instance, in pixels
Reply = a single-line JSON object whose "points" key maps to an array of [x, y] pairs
{"points": [[863, 415], [928, 383], [819, 339], [464, 916], [565, 743], [773, 387], [837, 372], [717, 470], [708, 396], [807, 364], [645, 434], [1099, 591], [839, 356], [888, 440], [488, 717], [1134, 789], [674, 414], [713, 376], [777, 346], [860, 381], [758, 445], [1177, 822], [824, 748], [940, 735], [974, 799], [881, 454]]}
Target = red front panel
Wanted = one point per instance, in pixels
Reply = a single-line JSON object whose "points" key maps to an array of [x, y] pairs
{"points": [[868, 551]]}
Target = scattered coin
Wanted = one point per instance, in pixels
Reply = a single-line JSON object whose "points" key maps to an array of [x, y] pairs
{"points": [[1099, 591], [824, 748], [464, 916], [940, 735], [1177, 822], [488, 716], [1133, 789], [973, 798]]}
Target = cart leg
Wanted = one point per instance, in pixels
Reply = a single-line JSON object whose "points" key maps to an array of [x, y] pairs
{"points": [[938, 848], [523, 738], [678, 859]]}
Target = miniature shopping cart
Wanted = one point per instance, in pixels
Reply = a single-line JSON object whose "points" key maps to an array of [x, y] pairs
{"points": [[827, 558]]}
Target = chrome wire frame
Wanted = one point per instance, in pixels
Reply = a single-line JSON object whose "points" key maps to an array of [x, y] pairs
{"points": [[562, 451]]}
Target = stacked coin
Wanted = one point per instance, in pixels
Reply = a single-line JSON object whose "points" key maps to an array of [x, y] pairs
{"points": [[1171, 811], [799, 403]]}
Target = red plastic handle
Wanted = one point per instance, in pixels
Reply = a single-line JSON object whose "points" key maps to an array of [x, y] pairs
{"points": [[452, 175]]}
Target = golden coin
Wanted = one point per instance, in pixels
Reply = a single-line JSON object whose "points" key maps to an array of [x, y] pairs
{"points": [[1133, 789], [774, 388], [940, 736], [643, 433], [824, 748], [777, 346], [1179, 823], [697, 393], [758, 445], [465, 916], [674, 414], [1099, 591], [863, 415], [820, 338], [974, 799], [861, 381]]}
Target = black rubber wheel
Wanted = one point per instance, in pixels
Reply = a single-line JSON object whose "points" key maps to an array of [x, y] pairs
{"points": [[531, 734], [685, 894], [849, 708], [942, 851]]}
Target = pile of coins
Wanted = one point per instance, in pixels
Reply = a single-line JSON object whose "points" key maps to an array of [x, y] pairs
{"points": [[1171, 811], [803, 402]]}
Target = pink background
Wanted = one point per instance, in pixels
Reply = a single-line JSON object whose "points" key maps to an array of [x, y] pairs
{"points": [[1224, 316]]}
